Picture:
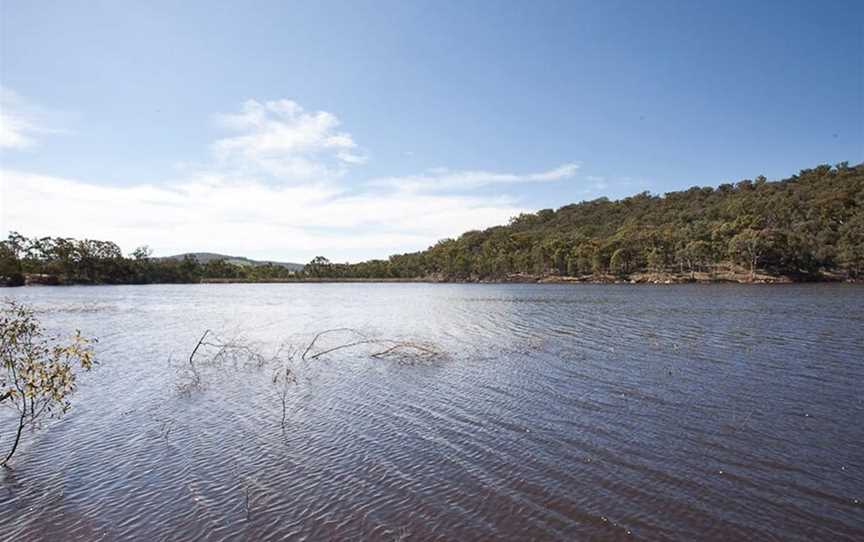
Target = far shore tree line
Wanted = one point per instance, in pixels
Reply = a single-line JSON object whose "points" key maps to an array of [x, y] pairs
{"points": [[63, 260], [806, 227]]}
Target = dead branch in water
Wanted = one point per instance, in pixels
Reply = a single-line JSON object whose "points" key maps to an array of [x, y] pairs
{"points": [[283, 378], [220, 351], [197, 346], [193, 373], [341, 347], [325, 332], [407, 345], [390, 346], [285, 361]]}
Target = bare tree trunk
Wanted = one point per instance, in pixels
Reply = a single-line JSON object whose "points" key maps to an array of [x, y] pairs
{"points": [[284, 408], [17, 440]]}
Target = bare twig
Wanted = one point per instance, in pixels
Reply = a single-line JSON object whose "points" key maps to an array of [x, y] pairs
{"points": [[406, 345], [286, 359], [390, 345], [197, 346], [325, 332], [342, 347], [284, 377]]}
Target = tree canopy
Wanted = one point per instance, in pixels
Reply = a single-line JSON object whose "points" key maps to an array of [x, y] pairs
{"points": [[808, 226]]}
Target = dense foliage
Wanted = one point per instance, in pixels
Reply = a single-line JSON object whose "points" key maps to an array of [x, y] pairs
{"points": [[54, 260], [802, 227], [806, 227]]}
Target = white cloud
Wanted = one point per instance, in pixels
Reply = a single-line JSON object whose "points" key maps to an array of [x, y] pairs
{"points": [[250, 218], [21, 122], [443, 179], [279, 138], [16, 130], [276, 189]]}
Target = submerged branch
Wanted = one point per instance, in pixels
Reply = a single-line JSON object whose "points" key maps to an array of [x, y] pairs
{"points": [[341, 347], [325, 332], [406, 345], [287, 359], [390, 345], [197, 346]]}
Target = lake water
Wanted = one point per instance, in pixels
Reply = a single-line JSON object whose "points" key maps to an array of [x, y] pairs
{"points": [[566, 412]]}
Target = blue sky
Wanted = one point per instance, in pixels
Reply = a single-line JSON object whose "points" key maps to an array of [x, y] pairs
{"points": [[358, 129]]}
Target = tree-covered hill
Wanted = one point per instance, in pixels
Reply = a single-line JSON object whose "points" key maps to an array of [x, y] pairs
{"points": [[207, 257], [807, 227], [810, 226]]}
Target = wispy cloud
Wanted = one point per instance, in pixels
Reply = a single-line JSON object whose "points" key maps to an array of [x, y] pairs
{"points": [[21, 122], [249, 217], [281, 139], [276, 188], [443, 179]]}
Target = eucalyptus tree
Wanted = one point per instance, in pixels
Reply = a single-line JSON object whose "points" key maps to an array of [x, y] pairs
{"points": [[37, 372]]}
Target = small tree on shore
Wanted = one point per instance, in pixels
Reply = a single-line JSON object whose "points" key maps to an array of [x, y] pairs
{"points": [[749, 247], [656, 260], [37, 372], [619, 263]]}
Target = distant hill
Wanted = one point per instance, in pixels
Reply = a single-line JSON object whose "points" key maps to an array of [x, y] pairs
{"points": [[204, 257]]}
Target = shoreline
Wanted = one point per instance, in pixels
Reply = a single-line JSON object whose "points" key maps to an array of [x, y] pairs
{"points": [[551, 279], [634, 279]]}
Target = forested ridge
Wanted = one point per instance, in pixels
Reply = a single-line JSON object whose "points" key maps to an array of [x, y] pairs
{"points": [[807, 227]]}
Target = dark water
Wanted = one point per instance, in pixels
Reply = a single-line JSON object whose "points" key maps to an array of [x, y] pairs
{"points": [[556, 412]]}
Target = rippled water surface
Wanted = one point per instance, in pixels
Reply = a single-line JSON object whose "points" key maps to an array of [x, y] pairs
{"points": [[554, 412]]}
